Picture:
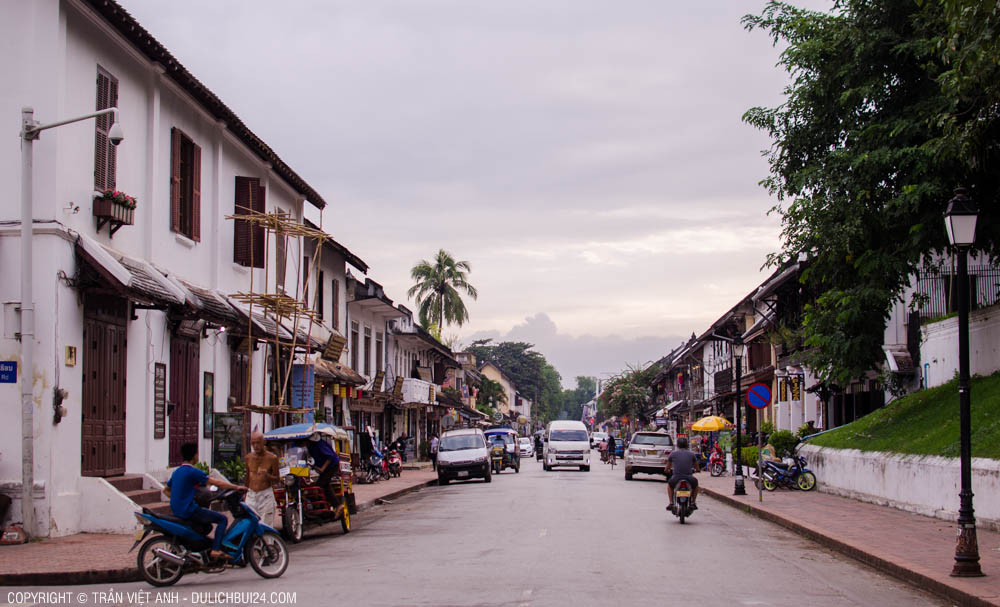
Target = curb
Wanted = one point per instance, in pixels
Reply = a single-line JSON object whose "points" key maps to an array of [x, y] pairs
{"points": [[910, 576], [131, 574]]}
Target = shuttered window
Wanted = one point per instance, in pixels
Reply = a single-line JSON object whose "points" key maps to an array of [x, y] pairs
{"points": [[105, 153], [248, 238], [185, 185], [305, 282], [280, 259], [319, 296], [335, 303]]}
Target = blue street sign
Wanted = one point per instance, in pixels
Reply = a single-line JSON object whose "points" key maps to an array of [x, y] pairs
{"points": [[758, 396], [8, 372]]}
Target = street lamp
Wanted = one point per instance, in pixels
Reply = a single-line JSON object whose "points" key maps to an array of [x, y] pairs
{"points": [[738, 349], [30, 132], [960, 221]]}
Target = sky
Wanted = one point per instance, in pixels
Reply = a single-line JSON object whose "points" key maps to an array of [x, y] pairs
{"points": [[587, 158]]}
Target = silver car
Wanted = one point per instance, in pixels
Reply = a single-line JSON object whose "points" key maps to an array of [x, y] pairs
{"points": [[647, 453], [525, 447]]}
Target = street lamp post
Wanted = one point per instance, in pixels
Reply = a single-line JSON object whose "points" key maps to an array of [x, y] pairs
{"points": [[30, 132], [960, 221], [738, 349]]}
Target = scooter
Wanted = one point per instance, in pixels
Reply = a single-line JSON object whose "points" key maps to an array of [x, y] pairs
{"points": [[395, 462], [682, 500], [538, 452], [717, 463], [180, 546], [793, 476]]}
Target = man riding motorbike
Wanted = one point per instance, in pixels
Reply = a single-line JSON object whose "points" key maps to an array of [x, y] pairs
{"points": [[682, 464], [327, 463], [181, 489]]}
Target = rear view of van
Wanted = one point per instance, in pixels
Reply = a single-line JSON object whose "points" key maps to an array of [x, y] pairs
{"points": [[567, 444]]}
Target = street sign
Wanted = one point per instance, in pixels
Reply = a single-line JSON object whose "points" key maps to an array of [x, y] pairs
{"points": [[759, 396], [8, 372]]}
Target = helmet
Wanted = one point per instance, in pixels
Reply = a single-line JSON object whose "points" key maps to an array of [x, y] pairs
{"points": [[314, 437]]}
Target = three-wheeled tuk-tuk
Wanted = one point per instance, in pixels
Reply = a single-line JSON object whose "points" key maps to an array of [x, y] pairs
{"points": [[507, 439], [301, 501]]}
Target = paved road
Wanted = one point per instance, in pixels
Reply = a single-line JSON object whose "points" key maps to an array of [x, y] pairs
{"points": [[558, 538]]}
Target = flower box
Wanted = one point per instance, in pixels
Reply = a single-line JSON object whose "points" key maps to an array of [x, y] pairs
{"points": [[115, 209]]}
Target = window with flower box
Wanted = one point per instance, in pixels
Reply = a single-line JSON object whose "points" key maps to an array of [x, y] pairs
{"points": [[105, 152]]}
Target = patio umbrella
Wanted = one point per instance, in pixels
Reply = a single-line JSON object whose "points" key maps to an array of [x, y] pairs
{"points": [[712, 423]]}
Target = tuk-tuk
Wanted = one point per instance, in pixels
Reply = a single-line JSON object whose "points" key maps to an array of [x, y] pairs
{"points": [[300, 500], [507, 438]]}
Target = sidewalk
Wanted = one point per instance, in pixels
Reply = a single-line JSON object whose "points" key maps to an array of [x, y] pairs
{"points": [[909, 546], [90, 558]]}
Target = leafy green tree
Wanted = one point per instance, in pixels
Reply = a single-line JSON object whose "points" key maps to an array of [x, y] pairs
{"points": [[533, 375], [628, 393], [490, 392], [437, 289], [877, 128]]}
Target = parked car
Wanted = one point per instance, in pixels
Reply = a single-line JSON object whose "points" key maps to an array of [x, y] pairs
{"points": [[567, 445], [462, 454], [596, 438], [526, 446], [647, 453]]}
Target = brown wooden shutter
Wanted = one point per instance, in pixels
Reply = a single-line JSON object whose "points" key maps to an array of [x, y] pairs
{"points": [[175, 179], [112, 169], [195, 193], [241, 228], [335, 303], [319, 295], [101, 137], [279, 259], [258, 232]]}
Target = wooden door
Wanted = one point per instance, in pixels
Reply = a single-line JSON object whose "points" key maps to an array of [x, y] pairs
{"points": [[104, 356], [185, 363]]}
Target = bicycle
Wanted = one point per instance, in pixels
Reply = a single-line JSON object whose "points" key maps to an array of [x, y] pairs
{"points": [[611, 460]]}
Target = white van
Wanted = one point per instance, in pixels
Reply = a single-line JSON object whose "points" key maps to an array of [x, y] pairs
{"points": [[566, 444]]}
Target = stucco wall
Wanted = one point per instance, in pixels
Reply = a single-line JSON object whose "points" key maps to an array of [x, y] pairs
{"points": [[939, 346], [923, 484]]}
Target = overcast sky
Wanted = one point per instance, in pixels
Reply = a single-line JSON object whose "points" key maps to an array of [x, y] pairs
{"points": [[587, 158]]}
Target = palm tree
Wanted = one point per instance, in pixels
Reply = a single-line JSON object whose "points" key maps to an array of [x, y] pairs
{"points": [[437, 290]]}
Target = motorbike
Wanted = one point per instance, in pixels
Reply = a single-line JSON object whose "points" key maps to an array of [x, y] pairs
{"points": [[179, 546], [717, 463], [682, 500], [395, 463], [538, 451], [794, 476], [383, 466], [496, 458]]}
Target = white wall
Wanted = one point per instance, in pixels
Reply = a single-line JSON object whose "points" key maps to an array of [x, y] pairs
{"points": [[923, 484], [939, 346]]}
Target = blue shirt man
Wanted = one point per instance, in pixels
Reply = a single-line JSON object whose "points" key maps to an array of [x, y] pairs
{"points": [[327, 463], [181, 488]]}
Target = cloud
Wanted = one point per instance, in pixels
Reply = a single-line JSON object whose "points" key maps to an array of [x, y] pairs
{"points": [[593, 355]]}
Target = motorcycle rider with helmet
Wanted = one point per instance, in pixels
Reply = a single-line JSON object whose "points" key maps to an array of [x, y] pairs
{"points": [[682, 464]]}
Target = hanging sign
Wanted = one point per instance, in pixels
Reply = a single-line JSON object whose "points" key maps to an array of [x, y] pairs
{"points": [[759, 396]]}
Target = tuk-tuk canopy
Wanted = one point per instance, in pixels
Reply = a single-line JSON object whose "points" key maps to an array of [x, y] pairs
{"points": [[303, 431]]}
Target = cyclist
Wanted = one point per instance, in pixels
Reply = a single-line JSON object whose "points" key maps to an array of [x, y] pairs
{"points": [[682, 464], [611, 449]]}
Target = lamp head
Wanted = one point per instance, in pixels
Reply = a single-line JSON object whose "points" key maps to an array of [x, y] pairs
{"points": [[960, 219], [739, 348]]}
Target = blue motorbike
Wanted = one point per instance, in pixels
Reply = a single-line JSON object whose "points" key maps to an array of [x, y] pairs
{"points": [[180, 546], [793, 476]]}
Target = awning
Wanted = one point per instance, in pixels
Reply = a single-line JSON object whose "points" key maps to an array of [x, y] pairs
{"points": [[133, 278], [758, 327], [337, 371], [214, 304], [674, 405], [771, 285], [899, 360]]}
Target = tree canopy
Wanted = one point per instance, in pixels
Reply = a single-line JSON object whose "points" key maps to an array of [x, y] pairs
{"points": [[533, 375], [437, 289], [628, 393], [892, 105]]}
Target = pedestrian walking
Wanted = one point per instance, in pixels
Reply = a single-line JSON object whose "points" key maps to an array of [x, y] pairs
{"points": [[434, 451], [262, 472]]}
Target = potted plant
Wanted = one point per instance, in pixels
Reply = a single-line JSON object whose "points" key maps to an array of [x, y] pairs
{"points": [[114, 207]]}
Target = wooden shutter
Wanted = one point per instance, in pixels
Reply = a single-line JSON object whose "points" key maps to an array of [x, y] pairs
{"points": [[335, 302], [101, 136], [319, 295], [175, 179], [195, 193], [258, 231], [241, 228], [112, 171], [279, 259]]}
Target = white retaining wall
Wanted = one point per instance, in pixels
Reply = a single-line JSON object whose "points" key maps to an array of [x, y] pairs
{"points": [[939, 346], [926, 485]]}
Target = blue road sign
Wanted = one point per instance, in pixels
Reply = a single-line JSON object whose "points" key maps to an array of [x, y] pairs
{"points": [[759, 396], [8, 372]]}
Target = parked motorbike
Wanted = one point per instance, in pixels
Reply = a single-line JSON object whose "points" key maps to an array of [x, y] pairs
{"points": [[793, 476], [682, 500], [395, 463], [717, 463], [179, 546]]}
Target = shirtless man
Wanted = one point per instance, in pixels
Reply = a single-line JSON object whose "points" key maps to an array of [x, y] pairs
{"points": [[262, 471]]}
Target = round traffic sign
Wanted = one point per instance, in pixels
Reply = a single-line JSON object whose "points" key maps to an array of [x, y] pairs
{"points": [[759, 396]]}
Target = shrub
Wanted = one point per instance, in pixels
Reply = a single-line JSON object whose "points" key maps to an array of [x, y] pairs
{"points": [[203, 467], [235, 470], [425, 449], [748, 456], [767, 428], [783, 442]]}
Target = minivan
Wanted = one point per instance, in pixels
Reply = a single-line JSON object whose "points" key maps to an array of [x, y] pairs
{"points": [[566, 444], [462, 454]]}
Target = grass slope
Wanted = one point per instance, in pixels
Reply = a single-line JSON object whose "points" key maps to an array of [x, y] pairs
{"points": [[926, 423]]}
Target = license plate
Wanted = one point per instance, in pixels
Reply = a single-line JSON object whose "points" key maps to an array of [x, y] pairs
{"points": [[463, 473], [683, 494], [138, 534], [652, 452]]}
